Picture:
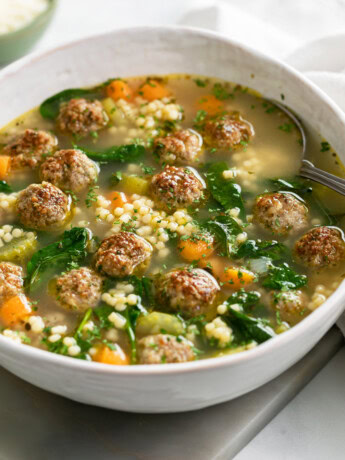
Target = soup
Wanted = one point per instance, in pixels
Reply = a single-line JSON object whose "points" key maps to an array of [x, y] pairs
{"points": [[162, 220]]}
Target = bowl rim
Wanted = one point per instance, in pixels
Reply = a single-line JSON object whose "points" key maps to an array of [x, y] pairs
{"points": [[281, 340], [52, 4]]}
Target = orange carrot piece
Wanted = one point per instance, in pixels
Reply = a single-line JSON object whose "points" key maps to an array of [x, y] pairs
{"points": [[193, 249], [118, 199], [105, 355], [232, 277], [236, 278], [118, 89], [152, 90], [14, 310], [210, 104], [5, 163]]}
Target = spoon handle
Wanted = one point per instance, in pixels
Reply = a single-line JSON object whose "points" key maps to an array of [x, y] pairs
{"points": [[309, 171]]}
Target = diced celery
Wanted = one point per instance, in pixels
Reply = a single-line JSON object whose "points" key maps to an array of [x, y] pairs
{"points": [[157, 323], [134, 184]]}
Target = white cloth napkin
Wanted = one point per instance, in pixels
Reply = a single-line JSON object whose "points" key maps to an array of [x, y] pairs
{"points": [[308, 34]]}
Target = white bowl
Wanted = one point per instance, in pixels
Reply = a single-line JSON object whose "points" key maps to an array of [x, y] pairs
{"points": [[163, 50]]}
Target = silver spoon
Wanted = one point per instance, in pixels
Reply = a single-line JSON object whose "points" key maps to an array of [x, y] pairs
{"points": [[308, 170]]}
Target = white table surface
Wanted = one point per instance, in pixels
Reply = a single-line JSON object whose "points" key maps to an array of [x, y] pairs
{"points": [[311, 427]]}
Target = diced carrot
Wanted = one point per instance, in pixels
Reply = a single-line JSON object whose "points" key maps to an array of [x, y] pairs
{"points": [[119, 89], [14, 310], [232, 277], [236, 278], [105, 355], [210, 104], [195, 249], [5, 163], [118, 199], [152, 90]]}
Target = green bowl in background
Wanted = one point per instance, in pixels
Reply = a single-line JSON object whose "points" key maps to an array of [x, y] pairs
{"points": [[17, 43]]}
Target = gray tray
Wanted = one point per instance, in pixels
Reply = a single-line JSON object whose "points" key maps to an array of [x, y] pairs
{"points": [[37, 425]]}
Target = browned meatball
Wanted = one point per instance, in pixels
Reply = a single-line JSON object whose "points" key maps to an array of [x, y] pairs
{"points": [[69, 170], [227, 132], [122, 254], [181, 147], [79, 289], [43, 206], [176, 188], [30, 148], [80, 116], [164, 348], [280, 213], [189, 290], [321, 247], [11, 280], [290, 305]]}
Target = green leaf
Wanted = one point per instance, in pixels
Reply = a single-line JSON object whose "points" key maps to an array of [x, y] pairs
{"points": [[244, 298], [132, 314], [50, 107], [117, 153], [225, 191], [284, 278], [102, 312], [294, 184], [70, 248], [4, 187], [143, 287], [251, 328], [225, 229], [255, 249]]}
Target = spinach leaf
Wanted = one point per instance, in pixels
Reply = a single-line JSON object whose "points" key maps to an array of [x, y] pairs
{"points": [[57, 347], [132, 314], [244, 298], [143, 287], [85, 339], [50, 107], [102, 312], [4, 187], [225, 229], [119, 153], [250, 328], [70, 248], [225, 191], [255, 249], [283, 277], [295, 184]]}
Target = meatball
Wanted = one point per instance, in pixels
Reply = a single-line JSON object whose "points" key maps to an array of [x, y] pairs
{"points": [[11, 280], [321, 247], [180, 147], [176, 188], [280, 213], [30, 148], [43, 206], [80, 117], [191, 291], [227, 132], [164, 348], [121, 254], [291, 305], [79, 289], [70, 170]]}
